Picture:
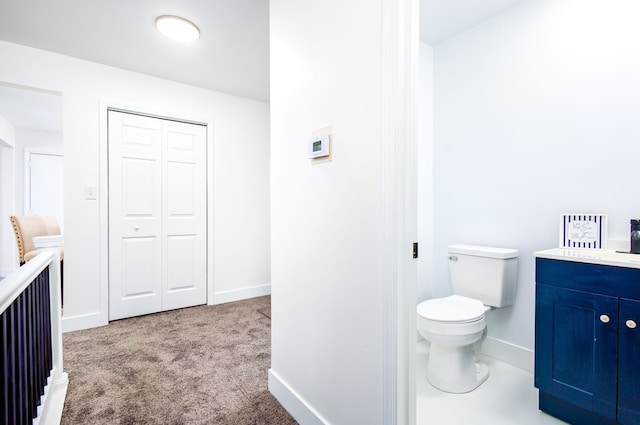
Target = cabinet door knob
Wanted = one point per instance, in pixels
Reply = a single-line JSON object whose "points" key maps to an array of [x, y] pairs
{"points": [[631, 324], [604, 318]]}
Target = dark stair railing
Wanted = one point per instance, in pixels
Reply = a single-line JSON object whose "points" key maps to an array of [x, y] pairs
{"points": [[31, 341]]}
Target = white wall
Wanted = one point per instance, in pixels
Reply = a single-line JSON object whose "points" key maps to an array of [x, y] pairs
{"points": [[240, 168], [7, 133], [37, 141], [536, 114], [327, 329], [425, 287], [8, 248]]}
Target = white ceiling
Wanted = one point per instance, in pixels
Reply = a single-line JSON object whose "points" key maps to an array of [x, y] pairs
{"points": [[442, 19], [31, 109], [232, 55]]}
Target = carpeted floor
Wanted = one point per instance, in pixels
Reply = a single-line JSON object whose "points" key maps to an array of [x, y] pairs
{"points": [[200, 365]]}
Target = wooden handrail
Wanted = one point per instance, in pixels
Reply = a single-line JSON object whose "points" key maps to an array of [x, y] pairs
{"points": [[30, 313], [13, 285]]}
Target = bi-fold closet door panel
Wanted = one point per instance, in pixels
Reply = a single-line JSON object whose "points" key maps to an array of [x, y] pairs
{"points": [[184, 225], [157, 214]]}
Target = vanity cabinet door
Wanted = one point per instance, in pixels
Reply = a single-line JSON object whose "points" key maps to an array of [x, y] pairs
{"points": [[629, 363], [576, 348]]}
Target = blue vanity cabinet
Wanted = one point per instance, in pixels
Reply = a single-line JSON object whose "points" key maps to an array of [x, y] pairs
{"points": [[587, 348], [628, 359], [576, 354]]}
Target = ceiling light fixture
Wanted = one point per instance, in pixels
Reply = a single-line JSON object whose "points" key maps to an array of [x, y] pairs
{"points": [[177, 28]]}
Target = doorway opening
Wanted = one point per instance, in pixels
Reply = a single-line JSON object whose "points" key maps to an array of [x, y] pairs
{"points": [[30, 122]]}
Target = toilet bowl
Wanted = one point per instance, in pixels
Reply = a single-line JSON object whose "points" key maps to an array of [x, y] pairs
{"points": [[482, 278], [456, 328]]}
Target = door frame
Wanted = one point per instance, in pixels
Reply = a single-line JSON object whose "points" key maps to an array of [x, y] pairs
{"points": [[8, 188], [102, 318], [400, 52]]}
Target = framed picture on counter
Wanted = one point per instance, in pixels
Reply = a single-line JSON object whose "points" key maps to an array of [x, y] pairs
{"points": [[583, 231]]}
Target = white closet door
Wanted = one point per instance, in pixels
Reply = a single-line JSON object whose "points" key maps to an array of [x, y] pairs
{"points": [[157, 215], [135, 215], [184, 215]]}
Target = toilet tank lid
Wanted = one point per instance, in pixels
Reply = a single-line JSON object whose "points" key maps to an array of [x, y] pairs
{"points": [[483, 251]]}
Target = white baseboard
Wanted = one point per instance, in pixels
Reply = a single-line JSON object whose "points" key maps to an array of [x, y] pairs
{"points": [[94, 320], [84, 321], [506, 352], [6, 272], [301, 411], [50, 411], [240, 294]]}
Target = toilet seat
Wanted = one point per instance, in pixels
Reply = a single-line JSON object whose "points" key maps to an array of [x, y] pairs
{"points": [[454, 309]]}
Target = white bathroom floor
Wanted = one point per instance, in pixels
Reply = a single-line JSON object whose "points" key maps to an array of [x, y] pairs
{"points": [[507, 397]]}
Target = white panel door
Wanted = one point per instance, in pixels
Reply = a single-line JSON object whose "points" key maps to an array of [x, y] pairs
{"points": [[44, 193], [184, 215], [157, 215], [135, 215]]}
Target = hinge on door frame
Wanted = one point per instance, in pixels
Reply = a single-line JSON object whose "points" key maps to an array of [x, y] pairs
{"points": [[415, 250]]}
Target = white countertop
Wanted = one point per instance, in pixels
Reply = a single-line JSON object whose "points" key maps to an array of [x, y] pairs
{"points": [[593, 256]]}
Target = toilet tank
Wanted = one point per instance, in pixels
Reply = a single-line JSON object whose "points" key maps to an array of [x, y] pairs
{"points": [[484, 273]]}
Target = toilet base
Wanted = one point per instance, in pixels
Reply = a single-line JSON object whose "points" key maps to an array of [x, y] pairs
{"points": [[455, 369]]}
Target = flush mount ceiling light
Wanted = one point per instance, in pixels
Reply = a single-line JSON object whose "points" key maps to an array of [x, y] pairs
{"points": [[177, 28]]}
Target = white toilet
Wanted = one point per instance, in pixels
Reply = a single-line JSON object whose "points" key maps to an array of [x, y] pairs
{"points": [[482, 278]]}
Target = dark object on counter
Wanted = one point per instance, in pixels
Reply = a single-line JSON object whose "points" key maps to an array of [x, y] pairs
{"points": [[635, 236]]}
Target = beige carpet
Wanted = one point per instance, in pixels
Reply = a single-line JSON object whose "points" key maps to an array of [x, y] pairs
{"points": [[200, 365]]}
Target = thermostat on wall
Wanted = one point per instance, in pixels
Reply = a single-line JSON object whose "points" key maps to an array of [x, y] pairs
{"points": [[319, 146]]}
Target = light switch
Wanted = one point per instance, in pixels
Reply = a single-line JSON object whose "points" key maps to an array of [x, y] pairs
{"points": [[90, 193]]}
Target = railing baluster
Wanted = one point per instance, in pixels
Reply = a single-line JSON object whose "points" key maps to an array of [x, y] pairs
{"points": [[13, 376], [7, 315], [28, 347], [20, 352], [26, 352], [37, 365], [31, 341], [3, 365], [8, 365], [40, 325], [48, 348]]}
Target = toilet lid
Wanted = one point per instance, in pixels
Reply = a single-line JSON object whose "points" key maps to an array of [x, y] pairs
{"points": [[454, 308]]}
